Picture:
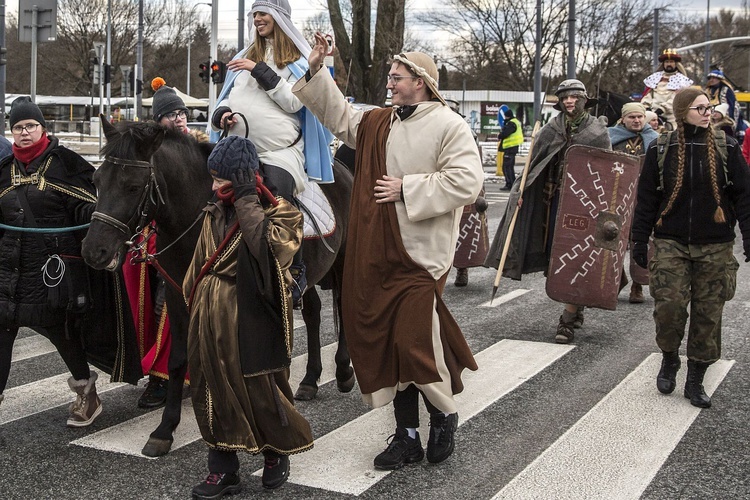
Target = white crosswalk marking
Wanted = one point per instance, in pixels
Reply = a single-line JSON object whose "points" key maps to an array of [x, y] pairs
{"points": [[130, 436], [617, 448], [30, 347], [342, 460]]}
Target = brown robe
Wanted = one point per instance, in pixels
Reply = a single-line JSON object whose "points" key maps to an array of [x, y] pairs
{"points": [[236, 411], [390, 303]]}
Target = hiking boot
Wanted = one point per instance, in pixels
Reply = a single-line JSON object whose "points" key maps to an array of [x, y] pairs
{"points": [[155, 394], [275, 470], [666, 379], [578, 320], [299, 284], [636, 294], [401, 450], [462, 277], [87, 405], [694, 384], [217, 485], [441, 443]]}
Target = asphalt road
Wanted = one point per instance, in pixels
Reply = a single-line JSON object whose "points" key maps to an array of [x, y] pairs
{"points": [[539, 420]]}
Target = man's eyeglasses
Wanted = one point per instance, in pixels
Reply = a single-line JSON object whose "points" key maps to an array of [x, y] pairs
{"points": [[30, 128], [397, 78], [174, 114], [703, 110]]}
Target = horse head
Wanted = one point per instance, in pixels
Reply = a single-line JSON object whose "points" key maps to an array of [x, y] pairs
{"points": [[128, 191]]}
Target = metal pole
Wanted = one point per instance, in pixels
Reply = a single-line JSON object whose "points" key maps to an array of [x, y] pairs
{"points": [[34, 23], [190, 42], [538, 63], [139, 65], [240, 25], [100, 57], [571, 39], [3, 55], [109, 57], [656, 37], [214, 53], [707, 57]]}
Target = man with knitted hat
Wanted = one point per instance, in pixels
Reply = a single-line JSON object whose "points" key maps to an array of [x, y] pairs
{"points": [[417, 166], [662, 85], [632, 135]]}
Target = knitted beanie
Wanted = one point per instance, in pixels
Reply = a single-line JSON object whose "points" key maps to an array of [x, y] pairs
{"points": [[633, 107], [24, 109], [165, 101], [231, 154]]}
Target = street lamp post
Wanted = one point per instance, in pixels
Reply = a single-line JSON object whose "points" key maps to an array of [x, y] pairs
{"points": [[191, 33]]}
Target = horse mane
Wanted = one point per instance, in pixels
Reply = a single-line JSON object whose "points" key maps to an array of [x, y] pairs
{"points": [[131, 134]]}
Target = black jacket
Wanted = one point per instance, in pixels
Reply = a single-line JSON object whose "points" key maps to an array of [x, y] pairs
{"points": [[691, 218], [63, 195]]}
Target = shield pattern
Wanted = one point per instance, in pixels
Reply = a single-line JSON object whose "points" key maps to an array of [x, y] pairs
{"points": [[592, 228], [473, 239]]}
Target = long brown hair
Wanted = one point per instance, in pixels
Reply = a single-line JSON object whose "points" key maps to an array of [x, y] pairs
{"points": [[284, 50], [681, 106]]}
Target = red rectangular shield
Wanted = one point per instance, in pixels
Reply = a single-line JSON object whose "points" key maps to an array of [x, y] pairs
{"points": [[594, 216]]}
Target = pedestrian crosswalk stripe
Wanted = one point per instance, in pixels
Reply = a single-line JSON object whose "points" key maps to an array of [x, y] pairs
{"points": [[617, 448], [42, 395], [129, 437], [30, 347], [505, 298], [341, 460]]}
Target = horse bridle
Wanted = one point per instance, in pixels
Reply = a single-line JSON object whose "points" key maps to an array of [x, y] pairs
{"points": [[150, 192]]}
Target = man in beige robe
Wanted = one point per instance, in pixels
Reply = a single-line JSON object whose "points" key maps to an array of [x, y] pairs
{"points": [[417, 166]]}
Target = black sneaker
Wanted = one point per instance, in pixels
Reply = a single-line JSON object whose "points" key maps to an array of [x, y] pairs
{"points": [[275, 471], [155, 394], [401, 450], [217, 485], [441, 443]]}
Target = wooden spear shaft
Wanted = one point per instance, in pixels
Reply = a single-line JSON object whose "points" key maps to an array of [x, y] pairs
{"points": [[512, 225]]}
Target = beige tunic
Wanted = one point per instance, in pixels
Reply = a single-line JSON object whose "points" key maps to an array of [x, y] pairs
{"points": [[434, 153]]}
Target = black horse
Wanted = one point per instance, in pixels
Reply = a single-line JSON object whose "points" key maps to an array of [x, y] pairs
{"points": [[153, 173], [610, 104]]}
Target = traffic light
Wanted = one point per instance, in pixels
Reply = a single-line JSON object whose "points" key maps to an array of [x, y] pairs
{"points": [[94, 68], [205, 73], [218, 72]]}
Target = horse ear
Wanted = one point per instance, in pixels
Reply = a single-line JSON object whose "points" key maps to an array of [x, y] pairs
{"points": [[109, 130], [153, 141]]}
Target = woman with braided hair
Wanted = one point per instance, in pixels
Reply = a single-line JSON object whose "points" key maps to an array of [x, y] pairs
{"points": [[692, 190]]}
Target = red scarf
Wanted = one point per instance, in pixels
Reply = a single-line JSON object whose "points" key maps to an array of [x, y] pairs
{"points": [[30, 153]]}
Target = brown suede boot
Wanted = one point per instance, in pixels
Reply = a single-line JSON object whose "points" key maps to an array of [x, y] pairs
{"points": [[636, 294], [87, 405], [462, 277]]}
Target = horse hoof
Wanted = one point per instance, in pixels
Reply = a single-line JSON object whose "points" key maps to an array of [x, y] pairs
{"points": [[306, 392], [347, 385], [157, 447]]}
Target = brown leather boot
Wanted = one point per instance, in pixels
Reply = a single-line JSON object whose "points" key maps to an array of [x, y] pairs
{"points": [[87, 405], [636, 294]]}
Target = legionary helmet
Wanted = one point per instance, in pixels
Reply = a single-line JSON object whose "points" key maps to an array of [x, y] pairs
{"points": [[572, 87]]}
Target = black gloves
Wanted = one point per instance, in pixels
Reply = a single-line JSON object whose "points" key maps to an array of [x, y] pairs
{"points": [[265, 76], [243, 182], [640, 253], [746, 246], [659, 112]]}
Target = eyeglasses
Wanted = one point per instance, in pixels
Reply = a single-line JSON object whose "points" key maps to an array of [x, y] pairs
{"points": [[703, 110], [397, 78], [30, 128], [174, 114]]}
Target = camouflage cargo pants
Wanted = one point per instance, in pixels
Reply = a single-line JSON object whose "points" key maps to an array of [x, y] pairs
{"points": [[703, 276]]}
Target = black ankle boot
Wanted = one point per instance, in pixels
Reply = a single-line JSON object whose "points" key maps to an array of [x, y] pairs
{"points": [[670, 364], [694, 384]]}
